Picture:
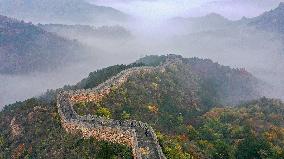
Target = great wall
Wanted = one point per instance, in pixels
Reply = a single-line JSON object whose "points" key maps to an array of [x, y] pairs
{"points": [[138, 135]]}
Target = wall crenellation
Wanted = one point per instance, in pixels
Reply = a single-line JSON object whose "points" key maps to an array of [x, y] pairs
{"points": [[139, 136]]}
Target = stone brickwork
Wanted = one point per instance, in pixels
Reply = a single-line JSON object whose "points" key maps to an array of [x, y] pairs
{"points": [[96, 94], [138, 135]]}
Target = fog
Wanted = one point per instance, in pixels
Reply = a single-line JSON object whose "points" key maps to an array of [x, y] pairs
{"points": [[161, 9], [260, 52], [21, 87]]}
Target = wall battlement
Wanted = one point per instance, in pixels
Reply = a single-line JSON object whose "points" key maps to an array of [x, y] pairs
{"points": [[138, 135]]}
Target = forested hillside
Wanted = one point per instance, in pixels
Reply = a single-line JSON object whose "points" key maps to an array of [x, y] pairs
{"points": [[251, 130], [32, 129], [60, 11], [25, 48], [271, 21], [188, 103]]}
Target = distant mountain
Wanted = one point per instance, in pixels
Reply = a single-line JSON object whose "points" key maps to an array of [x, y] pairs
{"points": [[190, 102], [272, 21], [25, 48], [87, 32], [60, 11], [209, 22]]}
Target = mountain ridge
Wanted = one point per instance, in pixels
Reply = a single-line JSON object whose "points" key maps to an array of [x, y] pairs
{"points": [[185, 126], [271, 20], [55, 11], [139, 143], [27, 48]]}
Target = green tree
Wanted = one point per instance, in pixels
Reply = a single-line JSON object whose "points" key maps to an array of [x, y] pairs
{"points": [[180, 119], [222, 150], [174, 151], [104, 112], [193, 134], [125, 115], [253, 147]]}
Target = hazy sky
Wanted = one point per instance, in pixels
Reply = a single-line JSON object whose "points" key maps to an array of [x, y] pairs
{"points": [[159, 9]]}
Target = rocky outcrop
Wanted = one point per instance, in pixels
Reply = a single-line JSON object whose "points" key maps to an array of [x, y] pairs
{"points": [[15, 128], [138, 135]]}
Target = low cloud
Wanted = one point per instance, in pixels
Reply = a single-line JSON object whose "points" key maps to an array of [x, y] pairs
{"points": [[162, 9]]}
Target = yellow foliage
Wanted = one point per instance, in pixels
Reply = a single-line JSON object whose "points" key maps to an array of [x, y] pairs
{"points": [[145, 151], [104, 112], [160, 135], [153, 108], [205, 144], [274, 133], [155, 85]]}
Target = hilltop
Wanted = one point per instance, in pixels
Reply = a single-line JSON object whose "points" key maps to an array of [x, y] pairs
{"points": [[205, 23], [60, 11], [191, 86], [197, 108], [271, 20], [25, 48]]}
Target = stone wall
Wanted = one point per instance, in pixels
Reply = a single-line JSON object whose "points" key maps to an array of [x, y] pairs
{"points": [[96, 94], [138, 135]]}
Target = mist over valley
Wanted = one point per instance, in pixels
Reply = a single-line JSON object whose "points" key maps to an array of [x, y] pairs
{"points": [[142, 79], [239, 44]]}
